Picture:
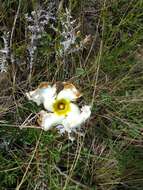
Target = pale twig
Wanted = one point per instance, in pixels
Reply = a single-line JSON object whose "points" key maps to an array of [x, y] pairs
{"points": [[14, 23], [20, 126], [77, 156], [28, 120], [24, 176], [8, 170], [72, 180], [95, 78]]}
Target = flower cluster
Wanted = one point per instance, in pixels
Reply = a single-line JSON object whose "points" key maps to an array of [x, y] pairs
{"points": [[36, 27], [71, 40], [68, 31], [61, 110], [4, 53]]}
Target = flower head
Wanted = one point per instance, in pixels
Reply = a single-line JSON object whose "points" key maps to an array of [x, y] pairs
{"points": [[60, 107]]}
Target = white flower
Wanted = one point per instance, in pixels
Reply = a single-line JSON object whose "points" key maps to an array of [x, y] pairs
{"points": [[61, 111]]}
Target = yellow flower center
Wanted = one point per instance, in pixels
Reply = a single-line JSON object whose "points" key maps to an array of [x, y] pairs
{"points": [[61, 107]]}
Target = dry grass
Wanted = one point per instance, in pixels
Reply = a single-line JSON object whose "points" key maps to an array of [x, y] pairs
{"points": [[109, 73]]}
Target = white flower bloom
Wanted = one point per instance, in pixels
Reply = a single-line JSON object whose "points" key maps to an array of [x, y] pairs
{"points": [[60, 109]]}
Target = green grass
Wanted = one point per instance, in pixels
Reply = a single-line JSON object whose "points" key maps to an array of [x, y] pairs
{"points": [[109, 72]]}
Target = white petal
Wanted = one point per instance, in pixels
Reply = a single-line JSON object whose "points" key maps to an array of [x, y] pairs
{"points": [[44, 94], [69, 92], [48, 103], [76, 117], [72, 119], [35, 96], [85, 113], [48, 120]]}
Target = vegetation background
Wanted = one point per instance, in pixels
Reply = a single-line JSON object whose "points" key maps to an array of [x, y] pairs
{"points": [[105, 61]]}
